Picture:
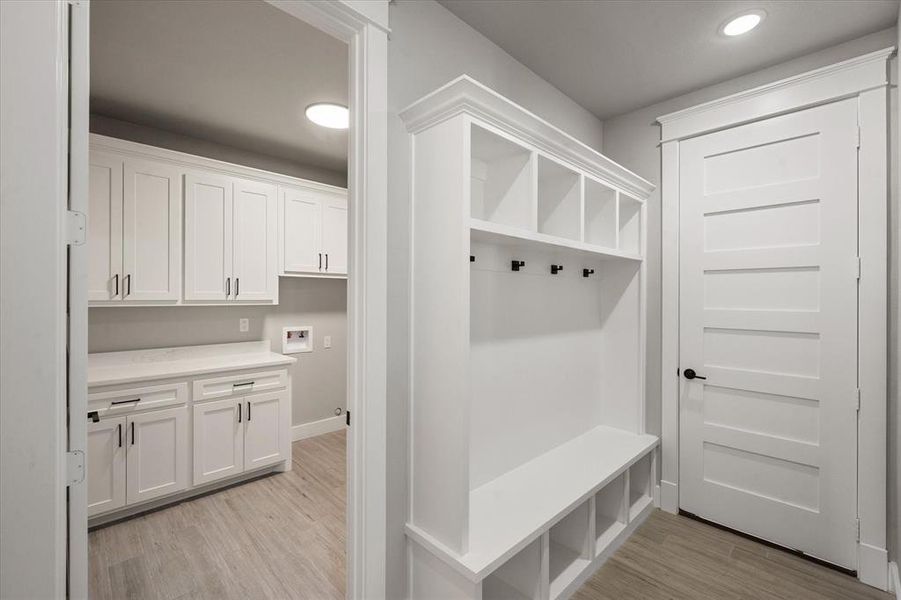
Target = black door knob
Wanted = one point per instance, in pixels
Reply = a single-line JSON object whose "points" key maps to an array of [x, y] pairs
{"points": [[690, 374]]}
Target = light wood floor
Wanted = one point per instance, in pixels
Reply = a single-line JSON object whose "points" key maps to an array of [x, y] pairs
{"points": [[283, 537]]}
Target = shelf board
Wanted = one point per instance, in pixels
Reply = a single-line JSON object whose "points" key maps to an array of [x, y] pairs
{"points": [[565, 566], [606, 533], [495, 233], [508, 513]]}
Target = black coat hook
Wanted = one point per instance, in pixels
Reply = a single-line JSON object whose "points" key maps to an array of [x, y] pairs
{"points": [[518, 264], [587, 272], [472, 258], [556, 269]]}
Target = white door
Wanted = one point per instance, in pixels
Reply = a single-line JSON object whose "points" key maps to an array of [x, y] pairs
{"points": [[768, 310], [265, 433], [218, 439], [208, 237], [151, 231], [255, 243], [157, 456], [106, 465], [104, 227], [334, 235], [301, 231]]}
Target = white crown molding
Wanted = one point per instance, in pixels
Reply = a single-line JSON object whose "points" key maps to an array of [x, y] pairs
{"points": [[466, 95], [833, 82]]}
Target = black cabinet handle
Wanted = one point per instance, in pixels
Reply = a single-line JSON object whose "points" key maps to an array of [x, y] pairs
{"points": [[320, 261], [248, 412], [237, 287], [118, 402], [116, 277], [132, 433], [239, 412], [228, 287], [690, 374], [119, 431], [127, 285], [326, 261]]}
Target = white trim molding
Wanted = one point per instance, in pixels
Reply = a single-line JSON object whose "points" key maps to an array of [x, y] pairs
{"points": [[314, 428], [894, 581], [866, 78]]}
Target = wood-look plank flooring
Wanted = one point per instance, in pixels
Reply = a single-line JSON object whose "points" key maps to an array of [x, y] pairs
{"points": [[281, 536], [671, 557]]}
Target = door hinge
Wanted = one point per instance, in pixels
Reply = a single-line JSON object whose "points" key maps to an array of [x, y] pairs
{"points": [[859, 268], [858, 137], [76, 227], [857, 407], [857, 527], [347, 417], [74, 467]]}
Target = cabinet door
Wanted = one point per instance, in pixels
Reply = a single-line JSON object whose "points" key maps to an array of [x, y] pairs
{"points": [[218, 440], [301, 231], [104, 227], [208, 237], [151, 231], [157, 457], [106, 465], [334, 236], [255, 243], [266, 429]]}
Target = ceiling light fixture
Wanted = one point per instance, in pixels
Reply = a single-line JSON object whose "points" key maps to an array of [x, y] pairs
{"points": [[326, 114], [742, 23]]}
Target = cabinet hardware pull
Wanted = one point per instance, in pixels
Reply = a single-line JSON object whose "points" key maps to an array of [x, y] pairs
{"points": [[237, 286], [132, 433], [228, 287], [326, 261], [116, 277], [248, 412], [117, 402], [127, 286], [242, 384], [239, 412], [119, 431], [320, 261]]}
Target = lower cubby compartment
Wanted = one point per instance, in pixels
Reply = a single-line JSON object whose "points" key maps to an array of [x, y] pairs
{"points": [[569, 548], [610, 513], [517, 579], [640, 485]]}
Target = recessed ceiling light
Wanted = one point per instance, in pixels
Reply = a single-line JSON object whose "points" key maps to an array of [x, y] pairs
{"points": [[743, 23], [326, 114]]}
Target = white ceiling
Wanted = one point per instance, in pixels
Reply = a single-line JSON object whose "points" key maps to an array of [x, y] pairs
{"points": [[234, 73], [614, 56]]}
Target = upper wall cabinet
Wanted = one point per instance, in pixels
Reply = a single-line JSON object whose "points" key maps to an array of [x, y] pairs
{"points": [[242, 228], [134, 234], [313, 232]]}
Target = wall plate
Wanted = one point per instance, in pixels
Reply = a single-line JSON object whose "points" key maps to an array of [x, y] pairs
{"points": [[296, 339]]}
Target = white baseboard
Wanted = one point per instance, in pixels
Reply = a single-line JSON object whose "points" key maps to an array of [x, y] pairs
{"points": [[669, 496], [894, 580], [872, 566], [308, 430]]}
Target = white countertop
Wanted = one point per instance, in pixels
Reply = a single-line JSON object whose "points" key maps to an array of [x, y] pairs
{"points": [[112, 368]]}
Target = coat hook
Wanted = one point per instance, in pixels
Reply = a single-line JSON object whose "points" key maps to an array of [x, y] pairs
{"points": [[472, 258], [587, 272], [518, 264], [556, 269]]}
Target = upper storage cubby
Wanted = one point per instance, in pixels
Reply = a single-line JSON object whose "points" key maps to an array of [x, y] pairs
{"points": [[629, 224], [559, 200], [600, 214], [500, 180]]}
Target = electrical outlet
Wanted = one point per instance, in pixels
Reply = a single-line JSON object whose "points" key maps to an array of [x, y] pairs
{"points": [[243, 325], [327, 341]]}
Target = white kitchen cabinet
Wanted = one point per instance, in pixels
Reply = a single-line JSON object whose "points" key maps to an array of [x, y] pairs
{"points": [[134, 231], [265, 437], [313, 232], [157, 453], [218, 439], [106, 465], [230, 240]]}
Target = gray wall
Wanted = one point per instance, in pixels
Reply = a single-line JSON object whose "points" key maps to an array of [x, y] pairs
{"points": [[631, 140], [429, 46], [319, 378]]}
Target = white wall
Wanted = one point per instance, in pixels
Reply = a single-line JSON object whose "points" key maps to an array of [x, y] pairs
{"points": [[631, 140], [428, 47], [32, 371]]}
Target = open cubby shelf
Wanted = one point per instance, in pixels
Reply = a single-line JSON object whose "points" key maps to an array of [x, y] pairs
{"points": [[527, 404]]}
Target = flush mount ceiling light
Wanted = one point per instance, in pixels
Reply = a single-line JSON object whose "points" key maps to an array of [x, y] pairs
{"points": [[326, 114], [742, 23]]}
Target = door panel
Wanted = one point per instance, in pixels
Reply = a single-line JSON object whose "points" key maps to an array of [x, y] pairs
{"points": [[255, 244], [265, 433], [106, 465], [334, 235], [768, 313], [208, 237], [104, 227], [301, 231], [151, 231], [218, 440], [157, 454]]}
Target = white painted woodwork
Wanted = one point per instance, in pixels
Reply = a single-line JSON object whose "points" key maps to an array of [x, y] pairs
{"points": [[157, 454], [131, 399], [334, 235], [151, 212], [239, 384], [218, 439], [769, 315], [106, 465], [314, 232], [255, 260], [105, 227], [555, 358], [209, 238], [265, 433]]}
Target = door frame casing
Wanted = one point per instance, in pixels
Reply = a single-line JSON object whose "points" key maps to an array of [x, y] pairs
{"points": [[866, 78]]}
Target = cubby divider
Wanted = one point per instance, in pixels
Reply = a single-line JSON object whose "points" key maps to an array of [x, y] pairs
{"points": [[611, 513]]}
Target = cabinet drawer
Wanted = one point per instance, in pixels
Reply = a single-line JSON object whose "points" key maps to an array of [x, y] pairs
{"points": [[221, 387], [119, 402]]}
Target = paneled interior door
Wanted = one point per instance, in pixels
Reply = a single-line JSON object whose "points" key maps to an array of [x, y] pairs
{"points": [[768, 315]]}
